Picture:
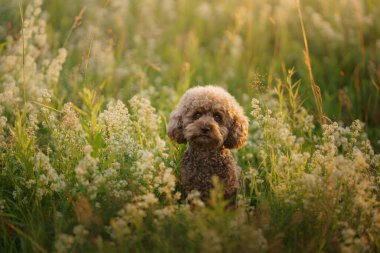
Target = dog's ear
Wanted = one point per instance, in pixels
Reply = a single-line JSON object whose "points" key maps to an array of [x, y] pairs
{"points": [[175, 127], [237, 133]]}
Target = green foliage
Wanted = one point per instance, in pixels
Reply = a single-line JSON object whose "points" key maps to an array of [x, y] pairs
{"points": [[85, 163]]}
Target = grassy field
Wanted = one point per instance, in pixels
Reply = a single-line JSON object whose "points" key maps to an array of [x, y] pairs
{"points": [[86, 88]]}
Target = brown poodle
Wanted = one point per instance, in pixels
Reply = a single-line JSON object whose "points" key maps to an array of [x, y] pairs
{"points": [[211, 121]]}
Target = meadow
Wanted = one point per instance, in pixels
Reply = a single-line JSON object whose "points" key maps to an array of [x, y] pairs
{"points": [[86, 89]]}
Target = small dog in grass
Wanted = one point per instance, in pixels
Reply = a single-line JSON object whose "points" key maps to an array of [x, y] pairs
{"points": [[212, 122]]}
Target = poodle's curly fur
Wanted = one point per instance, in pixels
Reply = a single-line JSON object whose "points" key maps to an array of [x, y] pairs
{"points": [[211, 121]]}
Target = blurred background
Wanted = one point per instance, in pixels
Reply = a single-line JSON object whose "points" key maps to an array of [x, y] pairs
{"points": [[163, 47]]}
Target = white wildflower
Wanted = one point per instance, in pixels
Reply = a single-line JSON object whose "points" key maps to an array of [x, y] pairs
{"points": [[48, 180], [145, 113], [80, 233], [63, 243], [256, 110], [70, 119], [117, 129], [55, 67]]}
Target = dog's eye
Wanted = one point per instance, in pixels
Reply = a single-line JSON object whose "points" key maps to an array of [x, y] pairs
{"points": [[197, 115], [218, 117]]}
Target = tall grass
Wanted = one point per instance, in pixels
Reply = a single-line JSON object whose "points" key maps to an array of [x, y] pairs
{"points": [[314, 87], [85, 92]]}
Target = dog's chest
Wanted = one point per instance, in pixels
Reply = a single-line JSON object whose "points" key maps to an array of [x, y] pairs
{"points": [[205, 166]]}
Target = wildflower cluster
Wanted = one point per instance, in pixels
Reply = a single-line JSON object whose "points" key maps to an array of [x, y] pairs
{"points": [[333, 175]]}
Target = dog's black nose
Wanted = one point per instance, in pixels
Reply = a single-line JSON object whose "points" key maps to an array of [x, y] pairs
{"points": [[205, 129]]}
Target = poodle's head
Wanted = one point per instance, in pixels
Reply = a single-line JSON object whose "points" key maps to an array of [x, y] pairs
{"points": [[208, 117]]}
